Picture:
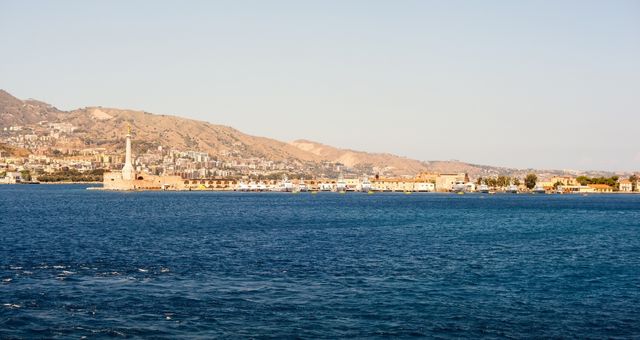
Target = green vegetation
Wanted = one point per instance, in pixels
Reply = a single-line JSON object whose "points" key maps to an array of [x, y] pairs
{"points": [[25, 175], [500, 181], [610, 181], [556, 185], [530, 181], [634, 182], [73, 175]]}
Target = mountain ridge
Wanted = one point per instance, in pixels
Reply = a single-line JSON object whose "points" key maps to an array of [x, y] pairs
{"points": [[105, 127]]}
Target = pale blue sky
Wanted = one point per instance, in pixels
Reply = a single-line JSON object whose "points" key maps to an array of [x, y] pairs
{"points": [[545, 84]]}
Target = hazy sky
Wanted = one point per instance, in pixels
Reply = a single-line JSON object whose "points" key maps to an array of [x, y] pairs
{"points": [[546, 84]]}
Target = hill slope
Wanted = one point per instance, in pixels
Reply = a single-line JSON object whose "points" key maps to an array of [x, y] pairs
{"points": [[105, 127]]}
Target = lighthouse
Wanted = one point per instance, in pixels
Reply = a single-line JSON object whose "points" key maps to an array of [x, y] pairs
{"points": [[128, 173]]}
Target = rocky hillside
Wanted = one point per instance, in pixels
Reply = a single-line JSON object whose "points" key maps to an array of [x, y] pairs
{"points": [[14, 111], [105, 127]]}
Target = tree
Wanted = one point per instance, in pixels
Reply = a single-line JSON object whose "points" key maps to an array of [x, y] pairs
{"points": [[530, 181], [479, 181], [556, 185], [516, 181], [634, 182], [583, 180], [25, 175]]}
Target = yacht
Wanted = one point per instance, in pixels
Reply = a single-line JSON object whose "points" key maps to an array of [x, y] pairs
{"points": [[302, 187], [366, 185], [286, 184], [538, 190], [483, 188], [325, 186], [242, 186], [459, 186], [341, 185], [512, 189]]}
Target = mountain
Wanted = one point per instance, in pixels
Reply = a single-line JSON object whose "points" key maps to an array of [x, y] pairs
{"points": [[353, 158], [14, 111], [106, 127]]}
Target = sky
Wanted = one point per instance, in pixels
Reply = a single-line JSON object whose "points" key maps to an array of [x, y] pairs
{"points": [[527, 84]]}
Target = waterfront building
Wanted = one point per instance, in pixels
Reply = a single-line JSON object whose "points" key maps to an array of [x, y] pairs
{"points": [[601, 187], [575, 189], [626, 185], [564, 180], [11, 177]]}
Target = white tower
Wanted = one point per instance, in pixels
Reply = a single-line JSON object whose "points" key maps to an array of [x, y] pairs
{"points": [[127, 170]]}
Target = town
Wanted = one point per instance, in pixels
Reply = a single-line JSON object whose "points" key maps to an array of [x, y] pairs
{"points": [[50, 153]]}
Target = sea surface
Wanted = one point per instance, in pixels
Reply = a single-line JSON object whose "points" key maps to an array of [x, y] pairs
{"points": [[78, 263]]}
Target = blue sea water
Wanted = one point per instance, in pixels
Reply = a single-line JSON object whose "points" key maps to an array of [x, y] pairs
{"points": [[77, 263]]}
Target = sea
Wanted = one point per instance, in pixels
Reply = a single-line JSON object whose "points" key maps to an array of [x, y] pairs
{"points": [[77, 263]]}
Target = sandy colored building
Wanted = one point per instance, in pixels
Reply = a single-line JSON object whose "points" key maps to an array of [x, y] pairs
{"points": [[600, 187]]}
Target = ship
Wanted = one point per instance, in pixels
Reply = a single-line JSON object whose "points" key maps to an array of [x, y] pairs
{"points": [[483, 188]]}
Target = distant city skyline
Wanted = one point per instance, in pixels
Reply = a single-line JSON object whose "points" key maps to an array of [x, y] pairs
{"points": [[548, 85]]}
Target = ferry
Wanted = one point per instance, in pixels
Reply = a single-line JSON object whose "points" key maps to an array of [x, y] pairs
{"points": [[483, 188]]}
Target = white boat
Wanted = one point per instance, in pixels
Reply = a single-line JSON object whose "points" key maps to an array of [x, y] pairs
{"points": [[302, 187], [242, 186], [459, 186], [286, 184], [366, 185], [538, 190], [325, 186], [512, 189], [341, 185], [483, 188]]}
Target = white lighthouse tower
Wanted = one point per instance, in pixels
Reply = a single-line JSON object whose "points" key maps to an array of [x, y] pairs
{"points": [[128, 173]]}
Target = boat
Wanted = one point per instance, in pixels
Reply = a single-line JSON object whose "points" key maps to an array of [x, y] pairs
{"points": [[286, 184], [325, 186], [459, 186], [512, 189], [341, 185], [366, 185], [302, 187], [483, 188], [538, 190], [242, 186]]}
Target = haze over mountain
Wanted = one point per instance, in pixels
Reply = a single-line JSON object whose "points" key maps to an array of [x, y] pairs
{"points": [[105, 127]]}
